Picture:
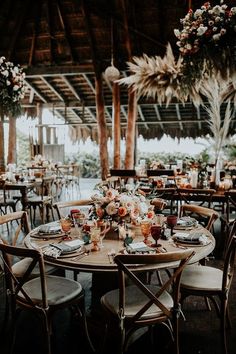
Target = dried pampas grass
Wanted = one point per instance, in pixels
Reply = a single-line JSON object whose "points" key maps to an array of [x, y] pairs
{"points": [[156, 77], [214, 90]]}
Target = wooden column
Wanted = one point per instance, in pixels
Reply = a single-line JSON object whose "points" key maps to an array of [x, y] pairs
{"points": [[102, 128], [11, 157], [130, 134], [2, 151], [40, 129], [116, 124]]}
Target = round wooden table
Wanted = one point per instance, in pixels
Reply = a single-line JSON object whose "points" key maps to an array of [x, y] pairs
{"points": [[102, 260]]}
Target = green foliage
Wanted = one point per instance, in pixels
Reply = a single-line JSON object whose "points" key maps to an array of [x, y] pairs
{"points": [[23, 149], [89, 164]]}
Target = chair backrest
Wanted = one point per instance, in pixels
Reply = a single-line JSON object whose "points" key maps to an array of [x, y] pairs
{"points": [[160, 172], [168, 194], [45, 188], [229, 264], [206, 216], [230, 196], [63, 208], [201, 197], [16, 231], [15, 286], [178, 260], [123, 172]]}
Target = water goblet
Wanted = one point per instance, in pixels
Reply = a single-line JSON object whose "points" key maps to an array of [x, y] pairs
{"points": [[171, 221], [145, 226], [104, 228], [156, 231]]}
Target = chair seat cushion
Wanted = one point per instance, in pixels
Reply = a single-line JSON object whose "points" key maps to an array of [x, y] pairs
{"points": [[202, 278], [135, 299], [59, 290], [20, 267]]}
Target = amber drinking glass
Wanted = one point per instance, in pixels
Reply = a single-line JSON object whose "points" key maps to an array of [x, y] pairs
{"points": [[145, 230], [66, 227]]}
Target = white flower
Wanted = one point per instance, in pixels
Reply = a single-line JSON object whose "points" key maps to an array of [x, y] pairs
{"points": [[177, 33], [111, 208], [198, 13], [201, 30], [16, 87], [216, 37]]}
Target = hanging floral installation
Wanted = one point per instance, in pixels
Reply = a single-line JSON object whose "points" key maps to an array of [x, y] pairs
{"points": [[207, 47], [12, 87]]}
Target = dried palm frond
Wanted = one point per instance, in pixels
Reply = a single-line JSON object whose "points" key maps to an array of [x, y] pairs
{"points": [[214, 90]]}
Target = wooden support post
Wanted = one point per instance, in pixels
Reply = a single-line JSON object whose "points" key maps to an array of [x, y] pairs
{"points": [[130, 134], [102, 128], [2, 151], [48, 135], [11, 157], [40, 129], [116, 125]]}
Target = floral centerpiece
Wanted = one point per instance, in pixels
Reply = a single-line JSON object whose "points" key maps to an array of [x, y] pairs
{"points": [[12, 87], [207, 40], [127, 206]]}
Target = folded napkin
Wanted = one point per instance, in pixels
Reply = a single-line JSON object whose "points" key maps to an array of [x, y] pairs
{"points": [[49, 229], [68, 247], [186, 221], [196, 238], [139, 247]]}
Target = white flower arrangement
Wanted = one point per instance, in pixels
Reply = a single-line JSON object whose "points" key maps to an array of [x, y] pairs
{"points": [[12, 87]]}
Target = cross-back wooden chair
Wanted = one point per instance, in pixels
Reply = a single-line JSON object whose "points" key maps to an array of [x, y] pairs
{"points": [[44, 294], [140, 304], [213, 284], [205, 216], [198, 196], [42, 199], [63, 208], [167, 194], [6, 201]]}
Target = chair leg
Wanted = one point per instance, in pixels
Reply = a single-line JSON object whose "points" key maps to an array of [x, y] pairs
{"points": [[223, 324]]}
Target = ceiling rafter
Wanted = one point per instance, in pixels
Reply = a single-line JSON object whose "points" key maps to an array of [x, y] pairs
{"points": [[179, 116], [64, 25], [94, 54], [52, 88], [18, 24], [142, 116], [158, 114], [68, 83], [31, 86], [124, 111], [49, 26]]}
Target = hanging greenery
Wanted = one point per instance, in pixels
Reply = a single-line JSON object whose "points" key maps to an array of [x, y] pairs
{"points": [[12, 88]]}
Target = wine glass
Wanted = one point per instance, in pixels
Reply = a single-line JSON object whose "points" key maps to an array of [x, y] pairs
{"points": [[145, 226], [156, 231], [104, 228], [66, 227], [171, 221]]}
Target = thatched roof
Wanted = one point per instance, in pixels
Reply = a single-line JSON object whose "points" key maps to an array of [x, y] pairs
{"points": [[64, 44]]}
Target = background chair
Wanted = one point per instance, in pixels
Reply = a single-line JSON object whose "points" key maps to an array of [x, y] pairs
{"points": [[42, 199], [160, 172], [200, 197], [214, 284], [6, 201], [43, 295], [141, 305]]}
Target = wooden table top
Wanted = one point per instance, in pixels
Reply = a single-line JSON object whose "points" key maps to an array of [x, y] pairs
{"points": [[101, 260]]}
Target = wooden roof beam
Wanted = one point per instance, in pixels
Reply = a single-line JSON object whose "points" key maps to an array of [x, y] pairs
{"points": [[75, 93], [94, 54], [142, 116], [31, 86], [179, 116], [64, 25], [52, 88], [46, 70], [77, 115], [89, 83], [18, 23], [158, 115], [91, 113]]}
